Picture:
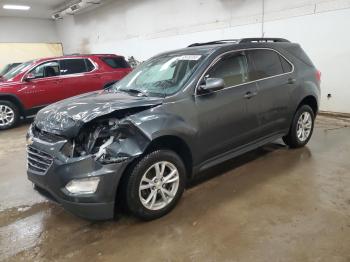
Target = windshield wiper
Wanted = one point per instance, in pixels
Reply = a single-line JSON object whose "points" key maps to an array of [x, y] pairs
{"points": [[137, 91]]}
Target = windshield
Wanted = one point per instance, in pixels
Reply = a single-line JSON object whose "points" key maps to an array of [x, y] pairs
{"points": [[15, 71], [159, 76], [8, 67]]}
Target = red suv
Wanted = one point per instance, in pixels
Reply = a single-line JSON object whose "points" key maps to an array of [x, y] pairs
{"points": [[34, 84]]}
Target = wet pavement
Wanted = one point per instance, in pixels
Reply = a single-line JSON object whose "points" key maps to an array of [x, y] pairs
{"points": [[272, 204]]}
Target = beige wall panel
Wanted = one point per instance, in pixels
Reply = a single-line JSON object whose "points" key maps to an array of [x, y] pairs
{"points": [[21, 52]]}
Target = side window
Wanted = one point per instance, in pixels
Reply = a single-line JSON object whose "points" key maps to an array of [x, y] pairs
{"points": [[267, 63], [73, 66], [48, 69], [232, 68], [89, 65], [115, 62], [287, 67]]}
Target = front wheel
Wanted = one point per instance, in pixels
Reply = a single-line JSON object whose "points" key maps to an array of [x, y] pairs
{"points": [[155, 184], [301, 128], [9, 115]]}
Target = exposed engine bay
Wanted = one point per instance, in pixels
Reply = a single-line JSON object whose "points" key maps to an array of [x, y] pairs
{"points": [[95, 137], [108, 141], [102, 128]]}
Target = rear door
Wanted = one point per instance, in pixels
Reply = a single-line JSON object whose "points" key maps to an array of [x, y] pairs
{"points": [[45, 87], [275, 78], [78, 76]]}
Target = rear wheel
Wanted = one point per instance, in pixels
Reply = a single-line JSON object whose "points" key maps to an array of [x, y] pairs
{"points": [[302, 127], [155, 184], [9, 115]]}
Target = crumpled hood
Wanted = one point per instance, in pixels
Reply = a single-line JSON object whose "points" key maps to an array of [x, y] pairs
{"points": [[68, 116]]}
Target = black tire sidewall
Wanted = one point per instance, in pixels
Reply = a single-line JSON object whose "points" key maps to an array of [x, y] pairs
{"points": [[133, 201], [293, 140], [15, 110]]}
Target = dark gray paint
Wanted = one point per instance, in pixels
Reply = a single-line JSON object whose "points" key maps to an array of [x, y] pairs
{"points": [[224, 119], [215, 126]]}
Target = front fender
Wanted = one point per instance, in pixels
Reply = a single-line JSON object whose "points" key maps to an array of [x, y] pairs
{"points": [[163, 124]]}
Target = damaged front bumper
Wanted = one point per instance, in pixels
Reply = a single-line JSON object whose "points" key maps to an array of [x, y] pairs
{"points": [[51, 172]]}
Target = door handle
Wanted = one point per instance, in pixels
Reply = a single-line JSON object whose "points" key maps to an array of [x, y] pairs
{"points": [[250, 94], [291, 81]]}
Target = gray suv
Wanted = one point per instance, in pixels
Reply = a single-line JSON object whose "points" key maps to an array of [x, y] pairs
{"points": [[140, 141]]}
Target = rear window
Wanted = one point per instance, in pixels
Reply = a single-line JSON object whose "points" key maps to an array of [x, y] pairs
{"points": [[299, 53], [89, 65], [115, 62], [75, 66], [287, 67], [267, 63]]}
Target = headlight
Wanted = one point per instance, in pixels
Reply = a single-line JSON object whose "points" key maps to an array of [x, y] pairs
{"points": [[68, 149], [83, 186]]}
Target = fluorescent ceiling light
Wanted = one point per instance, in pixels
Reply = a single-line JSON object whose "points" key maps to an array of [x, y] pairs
{"points": [[16, 7]]}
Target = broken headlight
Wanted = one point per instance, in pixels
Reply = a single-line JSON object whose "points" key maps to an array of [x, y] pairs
{"points": [[68, 149], [94, 140]]}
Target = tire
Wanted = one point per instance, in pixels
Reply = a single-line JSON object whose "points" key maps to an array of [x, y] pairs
{"points": [[145, 169], [9, 115], [298, 135]]}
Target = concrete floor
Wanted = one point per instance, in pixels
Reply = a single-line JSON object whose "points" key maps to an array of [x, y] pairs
{"points": [[273, 204]]}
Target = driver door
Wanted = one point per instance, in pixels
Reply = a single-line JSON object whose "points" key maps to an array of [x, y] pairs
{"points": [[44, 86], [226, 122]]}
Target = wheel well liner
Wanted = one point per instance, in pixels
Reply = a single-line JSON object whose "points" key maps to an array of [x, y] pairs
{"points": [[176, 144], [310, 101], [169, 142]]}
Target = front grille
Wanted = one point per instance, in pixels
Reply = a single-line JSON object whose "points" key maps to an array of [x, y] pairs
{"points": [[38, 161]]}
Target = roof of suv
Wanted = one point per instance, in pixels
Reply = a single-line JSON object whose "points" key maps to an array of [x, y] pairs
{"points": [[209, 47], [242, 41], [76, 56]]}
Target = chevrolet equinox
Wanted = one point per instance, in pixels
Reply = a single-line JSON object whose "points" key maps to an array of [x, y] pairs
{"points": [[138, 142]]}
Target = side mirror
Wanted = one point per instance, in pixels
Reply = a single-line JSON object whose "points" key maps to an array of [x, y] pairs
{"points": [[29, 77], [212, 84]]}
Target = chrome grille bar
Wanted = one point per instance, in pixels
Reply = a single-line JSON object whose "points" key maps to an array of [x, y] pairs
{"points": [[38, 161]]}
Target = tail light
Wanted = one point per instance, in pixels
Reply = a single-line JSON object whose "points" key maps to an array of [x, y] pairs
{"points": [[318, 75]]}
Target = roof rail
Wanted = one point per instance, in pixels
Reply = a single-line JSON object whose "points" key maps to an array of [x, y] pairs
{"points": [[263, 40], [216, 42], [242, 41]]}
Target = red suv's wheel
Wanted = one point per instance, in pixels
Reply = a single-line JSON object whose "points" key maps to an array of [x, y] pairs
{"points": [[9, 115]]}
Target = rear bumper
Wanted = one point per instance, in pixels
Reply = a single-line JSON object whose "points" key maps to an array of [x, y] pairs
{"points": [[99, 205]]}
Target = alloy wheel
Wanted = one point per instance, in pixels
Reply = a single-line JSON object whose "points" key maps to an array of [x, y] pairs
{"points": [[304, 126], [7, 116], [159, 185]]}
